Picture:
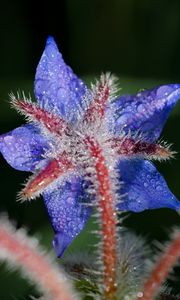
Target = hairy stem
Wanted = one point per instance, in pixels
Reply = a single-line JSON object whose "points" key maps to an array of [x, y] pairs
{"points": [[54, 169], [54, 123], [22, 251], [108, 221], [101, 95], [161, 270]]}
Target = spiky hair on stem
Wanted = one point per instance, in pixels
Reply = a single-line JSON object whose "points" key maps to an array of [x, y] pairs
{"points": [[23, 252], [161, 269], [132, 266]]}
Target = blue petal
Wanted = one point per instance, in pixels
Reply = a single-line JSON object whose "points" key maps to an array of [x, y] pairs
{"points": [[56, 86], [23, 147], [67, 212], [144, 187], [146, 111]]}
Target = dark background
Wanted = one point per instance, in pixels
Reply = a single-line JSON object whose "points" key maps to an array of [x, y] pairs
{"points": [[137, 40]]}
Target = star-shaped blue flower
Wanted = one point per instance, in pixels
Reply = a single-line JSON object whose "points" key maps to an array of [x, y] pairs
{"points": [[67, 126]]}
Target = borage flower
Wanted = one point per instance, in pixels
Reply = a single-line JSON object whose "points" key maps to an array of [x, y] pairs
{"points": [[76, 136]]}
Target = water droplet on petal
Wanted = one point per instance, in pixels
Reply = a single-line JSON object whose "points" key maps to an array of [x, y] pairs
{"points": [[152, 181], [159, 188], [62, 94], [141, 108], [164, 91], [70, 200], [52, 52], [41, 87]]}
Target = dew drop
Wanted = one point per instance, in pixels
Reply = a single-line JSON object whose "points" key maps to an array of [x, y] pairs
{"points": [[152, 181], [61, 94], [164, 91], [159, 188], [40, 87], [140, 294], [70, 200], [52, 52], [141, 108], [8, 140]]}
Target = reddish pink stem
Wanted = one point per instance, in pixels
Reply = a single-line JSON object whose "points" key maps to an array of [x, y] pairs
{"points": [[20, 250], [108, 222], [52, 122], [54, 169], [97, 108], [161, 270], [128, 147]]}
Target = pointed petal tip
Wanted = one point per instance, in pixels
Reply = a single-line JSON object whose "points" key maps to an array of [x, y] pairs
{"points": [[60, 243], [175, 204], [56, 86], [146, 111], [170, 92], [144, 187], [50, 40], [52, 51]]}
